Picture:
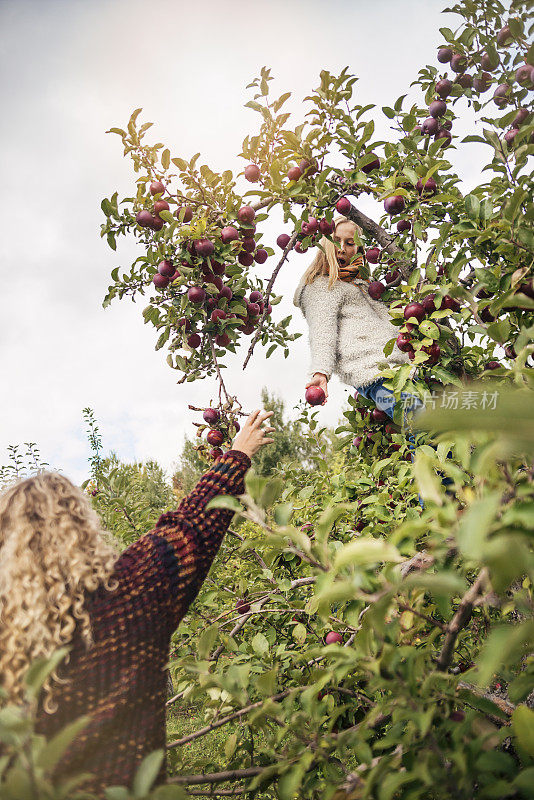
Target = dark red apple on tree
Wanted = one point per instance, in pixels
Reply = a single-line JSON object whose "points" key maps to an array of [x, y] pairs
{"points": [[487, 63], [222, 340], [504, 36], [333, 637], [283, 240], [482, 83], [356, 442], [389, 277], [523, 75], [430, 186], [444, 88], [373, 255], [299, 248], [161, 205], [156, 224], [326, 227], [404, 225], [510, 135], [144, 218], [188, 213], [414, 310], [294, 174], [486, 315], [378, 415], [216, 315], [434, 351], [429, 126], [225, 291], [229, 234], [211, 416], [372, 165], [194, 341], [216, 452], [253, 310], [246, 214], [465, 81], [185, 323], [196, 294], [428, 303], [492, 365], [437, 108], [343, 205], [521, 116], [444, 55], [261, 256], [252, 173], [458, 63], [394, 204], [215, 437], [444, 136], [245, 259], [249, 245], [310, 226], [242, 606], [314, 395], [255, 297], [166, 268], [160, 281], [403, 342], [509, 351], [376, 289], [500, 95], [174, 276], [217, 268], [204, 248], [451, 303], [156, 187]]}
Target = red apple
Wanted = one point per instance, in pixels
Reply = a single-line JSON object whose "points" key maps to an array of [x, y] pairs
{"points": [[430, 186], [261, 256], [343, 205], [229, 234], [486, 63], [492, 365], [242, 606], [444, 135], [216, 452], [404, 225], [166, 268], [245, 259], [376, 289], [311, 226], [215, 437], [326, 228], [194, 340], [184, 323], [430, 126], [482, 82], [523, 75], [144, 218], [246, 214], [444, 88], [428, 303], [222, 340], [333, 637], [378, 415], [500, 95], [504, 36], [299, 248], [314, 395], [188, 213], [367, 168], [252, 173], [249, 244], [404, 343], [294, 174], [283, 240], [509, 351], [253, 310], [520, 117], [196, 294], [161, 205], [204, 248], [161, 281], [394, 205], [156, 187], [225, 291], [216, 315], [389, 277], [156, 224], [434, 351], [510, 135], [373, 255], [414, 310], [444, 55], [450, 303], [458, 63], [437, 108], [211, 416]]}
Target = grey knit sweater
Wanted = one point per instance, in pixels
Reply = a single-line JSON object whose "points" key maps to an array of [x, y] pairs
{"points": [[348, 330]]}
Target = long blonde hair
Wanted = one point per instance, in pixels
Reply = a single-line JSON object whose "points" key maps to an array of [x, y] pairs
{"points": [[52, 549], [325, 262]]}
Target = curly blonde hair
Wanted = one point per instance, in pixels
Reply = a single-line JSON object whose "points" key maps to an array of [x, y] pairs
{"points": [[325, 262], [52, 550]]}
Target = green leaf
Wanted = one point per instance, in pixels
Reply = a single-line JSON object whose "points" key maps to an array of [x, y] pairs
{"points": [[365, 551], [472, 206], [503, 645], [224, 501], [428, 483], [523, 727], [271, 492], [388, 112], [475, 525], [147, 773], [41, 668], [282, 514], [166, 159], [260, 645], [440, 584], [206, 641]]}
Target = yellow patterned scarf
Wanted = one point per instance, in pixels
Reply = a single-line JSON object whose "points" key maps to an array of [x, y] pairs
{"points": [[352, 271]]}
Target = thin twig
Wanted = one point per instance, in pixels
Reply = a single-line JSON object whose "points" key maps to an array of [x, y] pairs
{"points": [[460, 620]]}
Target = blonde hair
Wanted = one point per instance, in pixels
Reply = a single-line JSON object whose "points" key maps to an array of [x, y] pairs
{"points": [[52, 549], [325, 262]]}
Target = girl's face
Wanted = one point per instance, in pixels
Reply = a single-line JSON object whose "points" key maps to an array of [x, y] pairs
{"points": [[346, 248]]}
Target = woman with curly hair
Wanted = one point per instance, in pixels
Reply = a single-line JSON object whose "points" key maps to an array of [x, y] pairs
{"points": [[62, 584]]}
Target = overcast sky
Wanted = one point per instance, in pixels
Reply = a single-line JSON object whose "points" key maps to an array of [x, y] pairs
{"points": [[71, 70]]}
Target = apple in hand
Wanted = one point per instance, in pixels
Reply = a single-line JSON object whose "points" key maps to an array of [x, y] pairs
{"points": [[314, 395]]}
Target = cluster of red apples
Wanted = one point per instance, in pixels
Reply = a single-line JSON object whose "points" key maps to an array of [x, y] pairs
{"points": [[220, 430]]}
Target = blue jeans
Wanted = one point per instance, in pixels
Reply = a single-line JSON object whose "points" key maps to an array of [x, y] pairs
{"points": [[384, 399]]}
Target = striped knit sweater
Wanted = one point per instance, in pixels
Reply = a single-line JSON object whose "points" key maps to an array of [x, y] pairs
{"points": [[121, 681]]}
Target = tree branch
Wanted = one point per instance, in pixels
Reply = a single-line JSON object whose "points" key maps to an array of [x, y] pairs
{"points": [[217, 777], [460, 620]]}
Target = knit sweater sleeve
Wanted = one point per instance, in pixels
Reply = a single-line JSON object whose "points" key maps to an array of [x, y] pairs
{"points": [[320, 307], [168, 565]]}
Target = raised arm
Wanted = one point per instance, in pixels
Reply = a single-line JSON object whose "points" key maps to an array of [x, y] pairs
{"points": [[320, 308], [168, 565]]}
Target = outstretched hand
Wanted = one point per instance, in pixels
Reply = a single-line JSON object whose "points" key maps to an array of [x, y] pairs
{"points": [[320, 380], [252, 436]]}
